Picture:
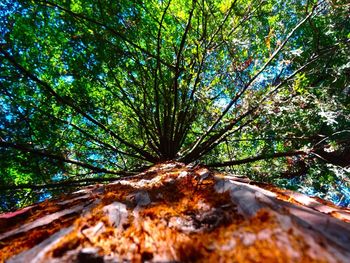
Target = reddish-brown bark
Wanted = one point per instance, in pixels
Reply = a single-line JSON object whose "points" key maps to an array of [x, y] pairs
{"points": [[174, 213]]}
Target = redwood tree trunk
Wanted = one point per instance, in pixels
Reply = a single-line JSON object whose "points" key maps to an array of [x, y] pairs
{"points": [[176, 213]]}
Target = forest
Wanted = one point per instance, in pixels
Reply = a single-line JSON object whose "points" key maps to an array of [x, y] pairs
{"points": [[95, 90], [174, 131]]}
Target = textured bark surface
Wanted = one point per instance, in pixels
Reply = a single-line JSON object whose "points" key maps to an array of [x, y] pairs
{"points": [[175, 213]]}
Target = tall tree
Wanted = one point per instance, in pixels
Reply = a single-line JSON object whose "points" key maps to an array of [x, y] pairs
{"points": [[106, 87]]}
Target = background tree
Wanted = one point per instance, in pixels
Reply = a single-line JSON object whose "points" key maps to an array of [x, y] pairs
{"points": [[99, 88]]}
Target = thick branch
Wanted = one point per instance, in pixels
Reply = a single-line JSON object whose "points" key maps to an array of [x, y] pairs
{"points": [[177, 75], [159, 69], [65, 184], [258, 158], [44, 153]]}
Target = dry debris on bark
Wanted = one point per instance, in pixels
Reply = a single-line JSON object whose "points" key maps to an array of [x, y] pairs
{"points": [[177, 213]]}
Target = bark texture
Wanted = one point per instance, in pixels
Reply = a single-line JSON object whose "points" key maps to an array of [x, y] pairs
{"points": [[177, 213]]}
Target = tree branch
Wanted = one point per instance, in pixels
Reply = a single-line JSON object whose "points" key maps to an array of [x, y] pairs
{"points": [[113, 31], [239, 94], [44, 153], [69, 102], [258, 158], [75, 183], [220, 135]]}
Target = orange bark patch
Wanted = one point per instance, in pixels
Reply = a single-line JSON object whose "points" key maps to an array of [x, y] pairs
{"points": [[21, 242]]}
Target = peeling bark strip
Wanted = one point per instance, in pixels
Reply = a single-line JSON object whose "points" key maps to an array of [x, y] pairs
{"points": [[177, 213], [251, 199], [39, 250], [41, 222]]}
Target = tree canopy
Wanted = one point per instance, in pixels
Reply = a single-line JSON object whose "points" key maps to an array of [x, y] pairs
{"points": [[91, 90]]}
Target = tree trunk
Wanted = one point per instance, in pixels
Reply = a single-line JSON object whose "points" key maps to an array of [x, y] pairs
{"points": [[177, 213]]}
